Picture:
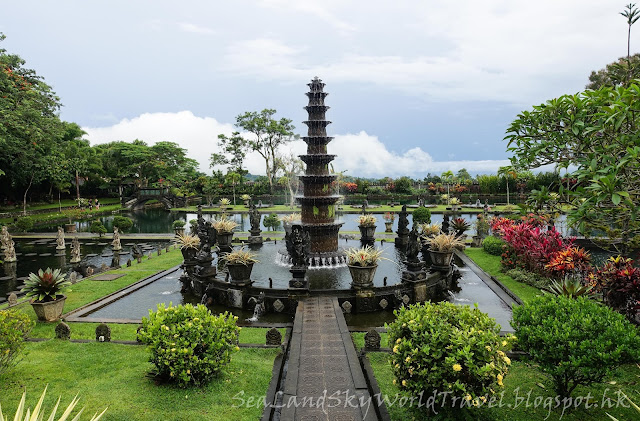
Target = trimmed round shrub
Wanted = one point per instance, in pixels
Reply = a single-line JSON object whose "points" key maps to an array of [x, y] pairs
{"points": [[576, 341], [271, 222], [122, 223], [189, 345], [14, 328], [24, 224], [493, 245], [97, 228], [422, 216], [443, 347], [179, 223]]}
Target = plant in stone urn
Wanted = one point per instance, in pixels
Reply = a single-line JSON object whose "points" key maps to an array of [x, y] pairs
{"points": [[460, 225], [189, 245], [430, 230], [389, 217], [224, 227], [455, 203], [289, 220], [178, 226], [240, 264], [224, 203], [441, 249], [245, 198], [46, 288], [367, 225], [362, 264]]}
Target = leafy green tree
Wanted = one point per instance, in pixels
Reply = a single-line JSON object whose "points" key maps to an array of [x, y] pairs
{"points": [[267, 135], [291, 166], [404, 185], [234, 149], [463, 176], [29, 124], [595, 132], [233, 178], [447, 177]]}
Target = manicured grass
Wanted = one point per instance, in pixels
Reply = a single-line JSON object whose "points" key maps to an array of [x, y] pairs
{"points": [[491, 264], [115, 376], [55, 216], [55, 205], [521, 380]]}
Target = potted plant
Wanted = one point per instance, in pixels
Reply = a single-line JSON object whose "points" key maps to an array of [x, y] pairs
{"points": [[455, 203], [460, 225], [189, 245], [224, 203], [240, 264], [389, 217], [72, 215], [224, 227], [245, 198], [289, 220], [482, 230], [362, 264], [367, 225], [47, 289], [441, 249], [178, 226]]}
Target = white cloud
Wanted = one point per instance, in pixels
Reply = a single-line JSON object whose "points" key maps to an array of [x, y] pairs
{"points": [[198, 135], [314, 8], [360, 154], [495, 50], [195, 29]]}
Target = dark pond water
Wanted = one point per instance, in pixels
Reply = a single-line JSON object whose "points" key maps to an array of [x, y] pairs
{"points": [[471, 289], [41, 254]]}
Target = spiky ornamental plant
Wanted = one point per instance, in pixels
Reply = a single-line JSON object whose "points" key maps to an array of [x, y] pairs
{"points": [[45, 286], [38, 411]]}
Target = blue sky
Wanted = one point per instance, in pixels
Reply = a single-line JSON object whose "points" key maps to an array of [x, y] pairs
{"points": [[415, 86]]}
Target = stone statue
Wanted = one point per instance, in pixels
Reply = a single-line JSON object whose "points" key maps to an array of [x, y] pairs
{"points": [[445, 223], [413, 245], [254, 219], [364, 207], [403, 222], [4, 237], [75, 251], [10, 251], [135, 251], [61, 245], [116, 240], [298, 246]]}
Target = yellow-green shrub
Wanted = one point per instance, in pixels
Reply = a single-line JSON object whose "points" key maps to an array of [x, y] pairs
{"points": [[14, 328], [442, 348], [188, 344]]}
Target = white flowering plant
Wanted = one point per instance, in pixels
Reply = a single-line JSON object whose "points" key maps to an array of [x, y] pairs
{"points": [[450, 350], [188, 344]]}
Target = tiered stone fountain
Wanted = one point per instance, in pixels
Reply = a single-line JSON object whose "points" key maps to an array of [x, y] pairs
{"points": [[318, 201]]}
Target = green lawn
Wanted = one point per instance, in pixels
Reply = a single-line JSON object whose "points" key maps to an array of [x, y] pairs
{"points": [[522, 380], [491, 264], [56, 205], [55, 216], [115, 376]]}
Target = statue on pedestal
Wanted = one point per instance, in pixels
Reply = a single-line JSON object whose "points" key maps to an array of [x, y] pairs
{"points": [[75, 251], [61, 245], [116, 240]]}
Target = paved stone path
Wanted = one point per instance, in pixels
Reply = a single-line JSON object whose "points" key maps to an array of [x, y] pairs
{"points": [[324, 377]]}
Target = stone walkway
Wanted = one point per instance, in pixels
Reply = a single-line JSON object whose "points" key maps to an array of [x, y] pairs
{"points": [[324, 378]]}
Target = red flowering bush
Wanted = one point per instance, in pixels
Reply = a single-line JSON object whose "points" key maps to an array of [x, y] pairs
{"points": [[619, 282], [531, 247], [570, 261], [350, 187], [498, 225]]}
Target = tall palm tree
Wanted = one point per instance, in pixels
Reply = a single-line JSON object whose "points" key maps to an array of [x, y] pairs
{"points": [[507, 172], [447, 176], [632, 14]]}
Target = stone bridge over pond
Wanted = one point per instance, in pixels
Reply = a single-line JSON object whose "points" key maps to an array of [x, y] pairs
{"points": [[161, 194]]}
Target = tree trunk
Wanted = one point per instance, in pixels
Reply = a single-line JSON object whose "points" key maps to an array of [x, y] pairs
{"points": [[77, 186], [24, 199], [507, 190], [59, 202]]}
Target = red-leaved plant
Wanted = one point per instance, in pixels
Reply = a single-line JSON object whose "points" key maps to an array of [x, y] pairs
{"points": [[619, 282]]}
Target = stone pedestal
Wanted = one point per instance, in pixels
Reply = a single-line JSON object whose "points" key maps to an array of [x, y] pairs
{"points": [[401, 241], [298, 282], [255, 240]]}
